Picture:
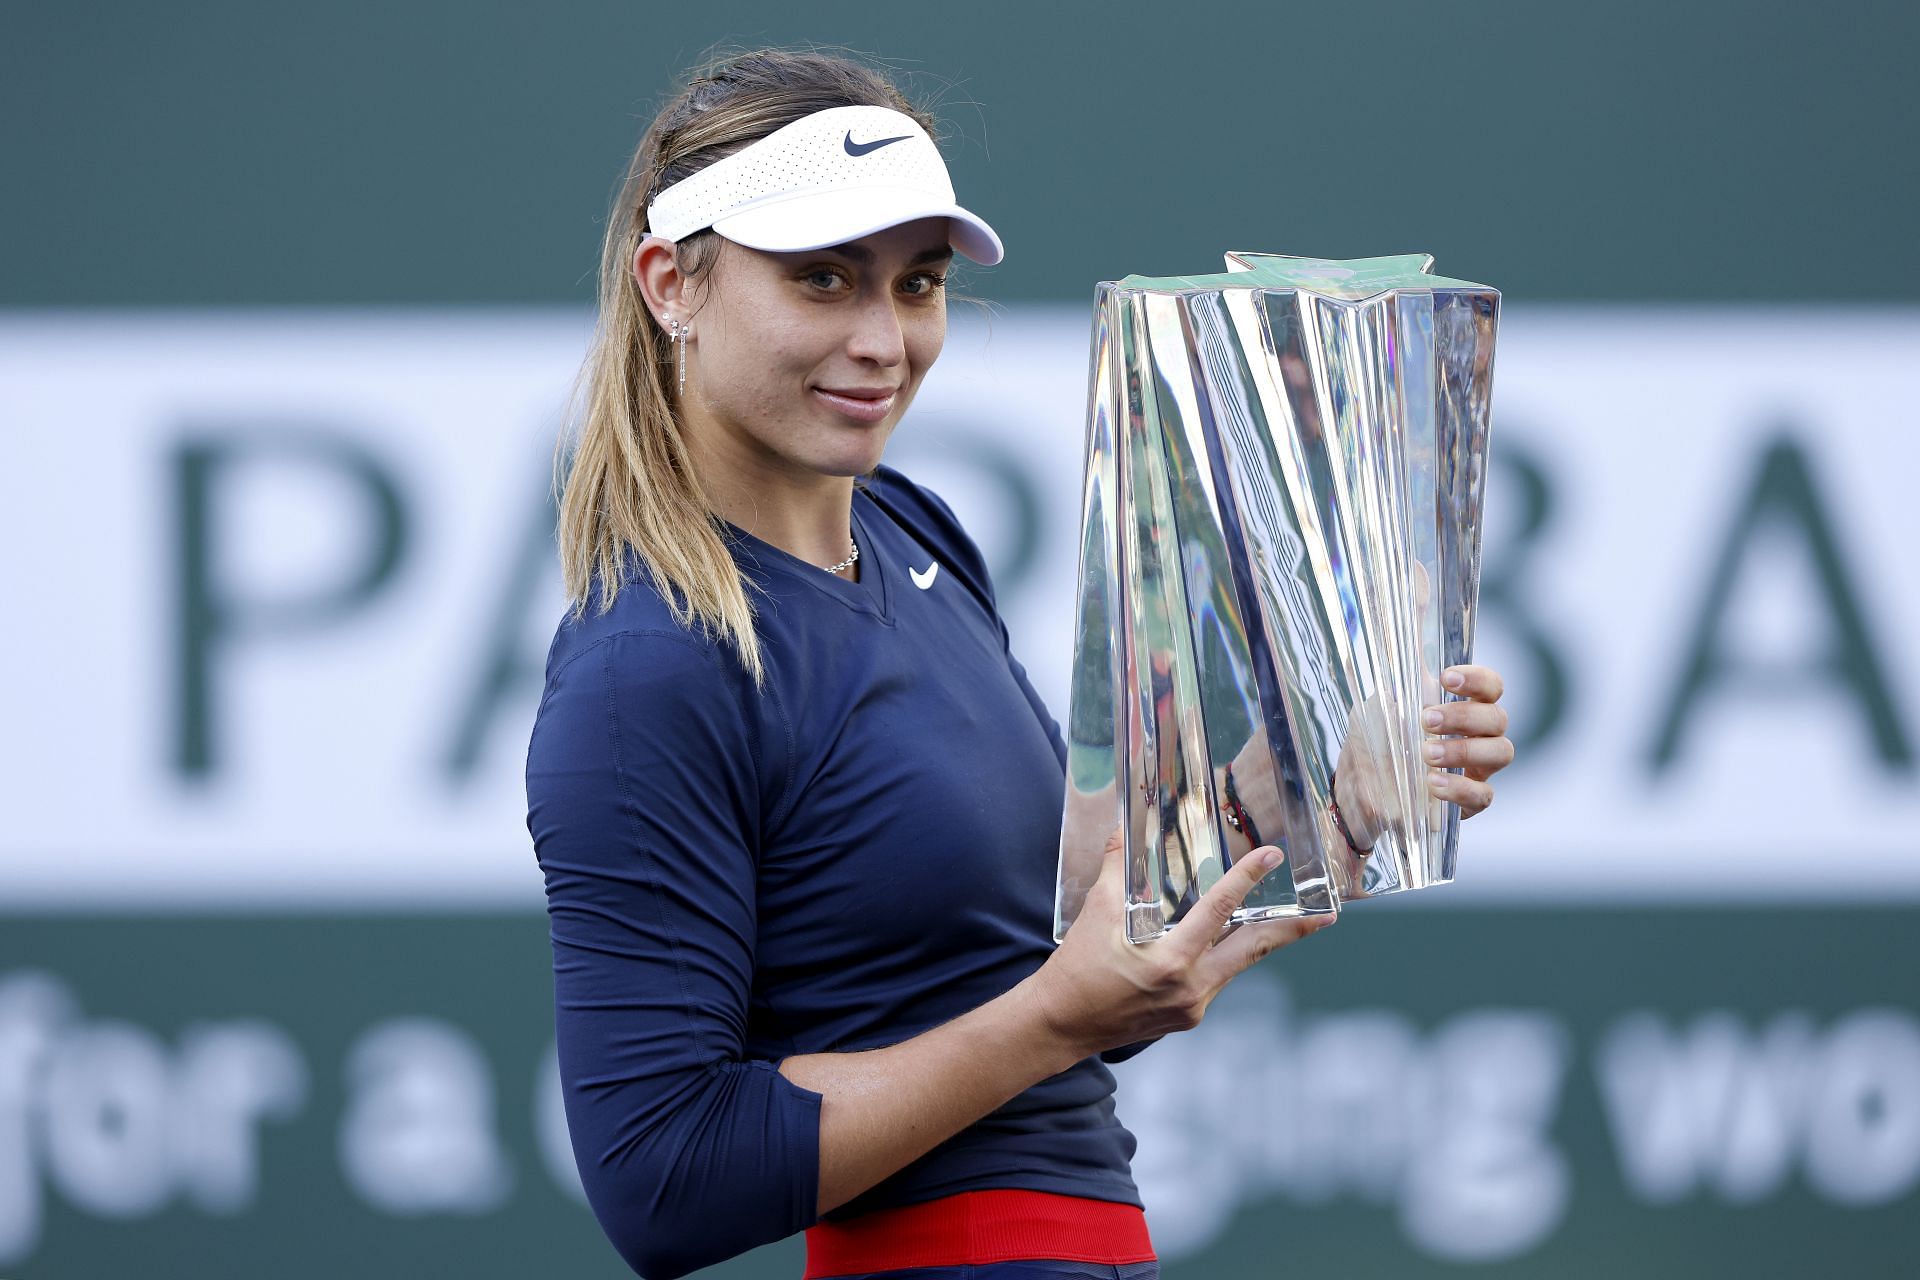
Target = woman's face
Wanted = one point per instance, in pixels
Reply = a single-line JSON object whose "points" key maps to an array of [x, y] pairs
{"points": [[805, 361]]}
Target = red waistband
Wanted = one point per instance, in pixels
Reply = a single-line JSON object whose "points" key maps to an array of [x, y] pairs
{"points": [[974, 1227]]}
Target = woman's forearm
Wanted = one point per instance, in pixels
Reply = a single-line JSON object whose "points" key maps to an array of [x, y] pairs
{"points": [[883, 1108]]}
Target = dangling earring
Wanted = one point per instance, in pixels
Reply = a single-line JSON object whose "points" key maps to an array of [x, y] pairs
{"points": [[677, 335]]}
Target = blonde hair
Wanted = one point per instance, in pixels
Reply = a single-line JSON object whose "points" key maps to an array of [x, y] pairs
{"points": [[629, 484]]}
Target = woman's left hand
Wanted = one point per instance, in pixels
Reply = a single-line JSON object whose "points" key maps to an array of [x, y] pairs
{"points": [[1480, 748]]}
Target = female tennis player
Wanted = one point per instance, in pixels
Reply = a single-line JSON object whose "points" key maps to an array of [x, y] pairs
{"points": [[797, 805]]}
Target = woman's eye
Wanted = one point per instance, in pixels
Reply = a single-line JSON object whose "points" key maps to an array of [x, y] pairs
{"points": [[926, 281], [824, 278]]}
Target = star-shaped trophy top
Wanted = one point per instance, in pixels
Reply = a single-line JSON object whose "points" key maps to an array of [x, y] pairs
{"points": [[1348, 279]]}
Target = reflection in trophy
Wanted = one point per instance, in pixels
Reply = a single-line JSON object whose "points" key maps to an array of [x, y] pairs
{"points": [[1280, 552]]}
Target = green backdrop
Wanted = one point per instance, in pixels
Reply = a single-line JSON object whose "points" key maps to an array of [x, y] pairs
{"points": [[327, 981], [227, 152]]}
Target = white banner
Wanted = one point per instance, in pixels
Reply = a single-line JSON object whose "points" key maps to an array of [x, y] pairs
{"points": [[278, 587]]}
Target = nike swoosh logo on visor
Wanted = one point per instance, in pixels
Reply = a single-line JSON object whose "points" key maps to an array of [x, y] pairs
{"points": [[861, 148], [920, 582]]}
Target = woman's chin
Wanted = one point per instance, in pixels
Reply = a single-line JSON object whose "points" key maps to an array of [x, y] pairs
{"points": [[852, 457]]}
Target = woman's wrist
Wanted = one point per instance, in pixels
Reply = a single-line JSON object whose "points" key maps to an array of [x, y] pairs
{"points": [[1043, 1024], [1340, 822]]}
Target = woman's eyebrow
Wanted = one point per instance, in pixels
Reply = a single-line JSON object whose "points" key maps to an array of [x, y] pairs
{"points": [[864, 256]]}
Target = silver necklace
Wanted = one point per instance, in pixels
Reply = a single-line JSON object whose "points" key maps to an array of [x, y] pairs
{"points": [[848, 562]]}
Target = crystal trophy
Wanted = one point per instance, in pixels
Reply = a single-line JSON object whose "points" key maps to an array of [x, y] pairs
{"points": [[1279, 554]]}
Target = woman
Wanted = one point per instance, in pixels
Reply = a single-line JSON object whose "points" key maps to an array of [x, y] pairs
{"points": [[799, 851]]}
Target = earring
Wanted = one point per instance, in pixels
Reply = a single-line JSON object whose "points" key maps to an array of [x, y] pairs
{"points": [[677, 335]]}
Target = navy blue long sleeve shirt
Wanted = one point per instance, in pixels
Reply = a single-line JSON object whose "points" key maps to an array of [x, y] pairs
{"points": [[861, 851]]}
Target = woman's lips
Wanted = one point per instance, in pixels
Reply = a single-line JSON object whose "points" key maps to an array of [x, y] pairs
{"points": [[859, 408]]}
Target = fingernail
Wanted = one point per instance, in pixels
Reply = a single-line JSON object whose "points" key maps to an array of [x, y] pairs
{"points": [[1270, 859], [1435, 751], [1433, 717], [1438, 778], [1454, 678]]}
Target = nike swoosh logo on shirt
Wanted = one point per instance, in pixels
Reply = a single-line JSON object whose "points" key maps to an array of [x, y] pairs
{"points": [[861, 148], [923, 582]]}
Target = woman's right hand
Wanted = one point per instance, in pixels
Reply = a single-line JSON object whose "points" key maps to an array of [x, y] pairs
{"points": [[1099, 991]]}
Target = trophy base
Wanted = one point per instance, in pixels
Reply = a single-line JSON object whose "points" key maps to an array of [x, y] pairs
{"points": [[1147, 921]]}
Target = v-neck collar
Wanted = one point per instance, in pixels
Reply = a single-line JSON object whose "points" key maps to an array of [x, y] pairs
{"points": [[873, 594]]}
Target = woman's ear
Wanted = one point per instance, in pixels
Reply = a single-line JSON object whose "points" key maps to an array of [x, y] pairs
{"points": [[657, 272]]}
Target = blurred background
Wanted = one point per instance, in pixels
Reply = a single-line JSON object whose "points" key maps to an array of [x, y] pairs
{"points": [[290, 300]]}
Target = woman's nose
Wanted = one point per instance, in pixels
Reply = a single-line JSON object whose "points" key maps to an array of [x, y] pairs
{"points": [[877, 335]]}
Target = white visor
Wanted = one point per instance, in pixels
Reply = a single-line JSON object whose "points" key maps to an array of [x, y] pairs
{"points": [[825, 179]]}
